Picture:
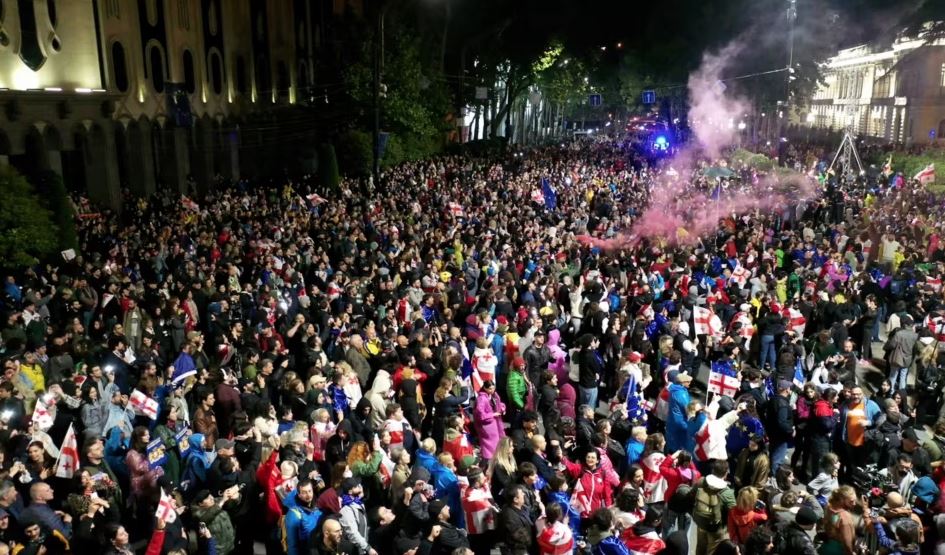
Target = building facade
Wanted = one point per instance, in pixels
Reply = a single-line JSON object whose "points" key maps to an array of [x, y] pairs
{"points": [[895, 95], [149, 94]]}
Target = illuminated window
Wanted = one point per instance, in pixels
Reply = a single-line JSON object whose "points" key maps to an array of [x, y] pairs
{"points": [[120, 67]]}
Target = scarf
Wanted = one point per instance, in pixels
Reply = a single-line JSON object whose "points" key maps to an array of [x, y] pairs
{"points": [[349, 500]]}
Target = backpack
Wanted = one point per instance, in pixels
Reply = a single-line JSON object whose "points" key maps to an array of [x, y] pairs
{"points": [[683, 499], [707, 508]]}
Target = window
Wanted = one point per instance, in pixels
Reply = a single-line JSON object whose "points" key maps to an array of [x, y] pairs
{"points": [[156, 59], [212, 18], [216, 72], [30, 51], [190, 75], [120, 67], [941, 79], [240, 75]]}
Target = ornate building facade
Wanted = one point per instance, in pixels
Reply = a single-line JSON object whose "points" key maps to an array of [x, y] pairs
{"points": [[148, 94], [895, 95]]}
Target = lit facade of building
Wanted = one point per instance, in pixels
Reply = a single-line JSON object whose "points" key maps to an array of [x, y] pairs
{"points": [[149, 93], [896, 94]]}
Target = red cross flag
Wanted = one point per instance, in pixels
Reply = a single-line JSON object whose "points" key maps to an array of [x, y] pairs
{"points": [[927, 175], [740, 275], [165, 509], [42, 417], [704, 322], [935, 324], [723, 384], [456, 209], [68, 462], [796, 320], [142, 404]]}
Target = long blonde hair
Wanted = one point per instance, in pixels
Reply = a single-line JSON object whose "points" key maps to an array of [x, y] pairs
{"points": [[503, 457], [747, 497]]}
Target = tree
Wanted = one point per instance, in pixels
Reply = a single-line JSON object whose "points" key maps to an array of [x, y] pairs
{"points": [[27, 230], [55, 198]]}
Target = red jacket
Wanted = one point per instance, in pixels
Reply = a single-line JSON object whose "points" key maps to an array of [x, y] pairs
{"points": [[674, 476], [740, 523], [269, 478], [592, 490]]}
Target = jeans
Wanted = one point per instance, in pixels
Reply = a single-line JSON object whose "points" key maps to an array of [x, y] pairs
{"points": [[673, 521], [898, 378], [587, 397], [768, 352], [778, 453]]}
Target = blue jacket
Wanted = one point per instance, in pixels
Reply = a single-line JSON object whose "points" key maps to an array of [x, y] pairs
{"points": [[426, 460], [676, 424], [611, 545], [634, 451], [873, 412], [300, 522], [574, 517], [447, 488]]}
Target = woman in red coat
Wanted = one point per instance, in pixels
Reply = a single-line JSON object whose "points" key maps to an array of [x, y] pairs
{"points": [[592, 490], [745, 515]]}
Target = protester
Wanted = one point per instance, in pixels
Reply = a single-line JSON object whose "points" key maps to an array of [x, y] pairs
{"points": [[424, 370]]}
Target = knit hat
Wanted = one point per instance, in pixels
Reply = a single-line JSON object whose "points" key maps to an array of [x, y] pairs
{"points": [[435, 507], [806, 516]]}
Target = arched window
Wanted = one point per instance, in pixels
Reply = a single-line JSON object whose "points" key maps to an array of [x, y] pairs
{"points": [[941, 129], [240, 75], [190, 75], [156, 59], [120, 67], [216, 72], [151, 11]]}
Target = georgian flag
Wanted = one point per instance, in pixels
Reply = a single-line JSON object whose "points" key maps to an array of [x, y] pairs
{"points": [[554, 539], [479, 510], [702, 442], [654, 485], [748, 328], [165, 509], [705, 322], [42, 416], [142, 404], [740, 275], [723, 379], [538, 196], [456, 209], [935, 324], [484, 365], [189, 204], [315, 199], [386, 469], [396, 429], [796, 320], [68, 462], [936, 283]]}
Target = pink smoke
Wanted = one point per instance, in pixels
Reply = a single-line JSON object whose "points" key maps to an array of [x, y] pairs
{"points": [[681, 208]]}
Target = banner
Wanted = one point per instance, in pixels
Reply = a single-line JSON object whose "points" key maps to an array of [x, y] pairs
{"points": [[157, 453], [182, 438]]}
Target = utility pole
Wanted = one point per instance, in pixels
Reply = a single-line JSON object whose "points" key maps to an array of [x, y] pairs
{"points": [[783, 110]]}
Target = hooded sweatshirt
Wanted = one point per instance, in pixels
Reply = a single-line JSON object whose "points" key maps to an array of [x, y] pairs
{"points": [[377, 397]]}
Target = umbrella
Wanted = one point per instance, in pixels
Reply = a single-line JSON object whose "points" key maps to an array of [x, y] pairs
{"points": [[716, 172]]}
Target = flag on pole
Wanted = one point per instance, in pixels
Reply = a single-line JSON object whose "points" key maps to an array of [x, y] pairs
{"points": [[538, 196], [723, 379], [799, 379], [935, 324], [42, 416], [927, 175], [184, 367], [165, 509], [636, 406], [68, 462], [142, 404]]}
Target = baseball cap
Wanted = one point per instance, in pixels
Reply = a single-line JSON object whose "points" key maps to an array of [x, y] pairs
{"points": [[223, 444]]}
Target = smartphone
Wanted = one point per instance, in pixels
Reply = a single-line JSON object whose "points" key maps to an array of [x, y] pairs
{"points": [[203, 527]]}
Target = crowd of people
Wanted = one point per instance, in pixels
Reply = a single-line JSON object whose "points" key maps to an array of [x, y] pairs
{"points": [[463, 359]]}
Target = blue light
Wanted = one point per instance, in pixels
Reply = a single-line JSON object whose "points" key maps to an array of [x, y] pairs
{"points": [[661, 140]]}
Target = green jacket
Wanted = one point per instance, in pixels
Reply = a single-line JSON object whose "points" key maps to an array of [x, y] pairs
{"points": [[517, 389], [220, 526], [172, 466]]}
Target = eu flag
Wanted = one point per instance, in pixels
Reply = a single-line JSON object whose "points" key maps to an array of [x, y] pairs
{"points": [[551, 197]]}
